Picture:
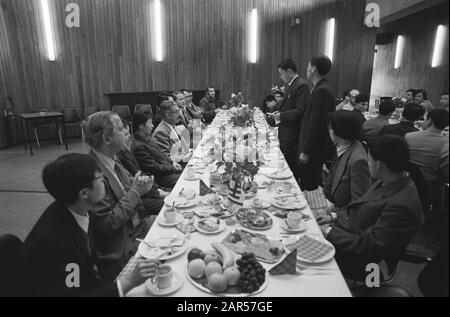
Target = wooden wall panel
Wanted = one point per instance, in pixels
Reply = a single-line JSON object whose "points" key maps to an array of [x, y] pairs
{"points": [[205, 44], [416, 71]]}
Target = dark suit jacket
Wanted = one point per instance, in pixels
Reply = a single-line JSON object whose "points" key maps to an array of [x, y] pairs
{"points": [[349, 177], [117, 221], [209, 108], [377, 226], [401, 129], [291, 110], [314, 137], [150, 157], [166, 139], [54, 242]]}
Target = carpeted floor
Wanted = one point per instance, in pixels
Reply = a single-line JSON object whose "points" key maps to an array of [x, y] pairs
{"points": [[23, 199]]}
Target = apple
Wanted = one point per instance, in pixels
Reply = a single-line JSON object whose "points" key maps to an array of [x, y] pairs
{"points": [[196, 268], [195, 254], [232, 274], [218, 282], [212, 268], [212, 257]]}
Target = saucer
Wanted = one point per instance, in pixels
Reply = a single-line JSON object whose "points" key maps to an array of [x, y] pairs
{"points": [[285, 226], [177, 282], [196, 177], [264, 204], [162, 221]]}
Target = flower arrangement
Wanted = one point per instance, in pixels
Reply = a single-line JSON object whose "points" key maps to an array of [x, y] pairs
{"points": [[242, 116], [242, 171], [276, 89], [236, 100]]}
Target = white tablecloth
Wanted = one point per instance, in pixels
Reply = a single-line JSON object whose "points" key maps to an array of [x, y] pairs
{"points": [[311, 284]]}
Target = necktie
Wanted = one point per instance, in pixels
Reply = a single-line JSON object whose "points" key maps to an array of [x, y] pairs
{"points": [[123, 175]]}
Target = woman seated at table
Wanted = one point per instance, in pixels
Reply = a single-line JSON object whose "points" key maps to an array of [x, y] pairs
{"points": [[149, 156], [269, 106], [349, 176]]}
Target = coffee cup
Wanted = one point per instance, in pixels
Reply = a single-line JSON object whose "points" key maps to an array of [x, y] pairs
{"points": [[170, 216], [294, 220], [163, 277]]}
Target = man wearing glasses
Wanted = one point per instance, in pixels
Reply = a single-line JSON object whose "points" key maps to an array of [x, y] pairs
{"points": [[63, 236]]}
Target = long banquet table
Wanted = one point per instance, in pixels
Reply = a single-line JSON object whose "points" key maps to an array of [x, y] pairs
{"points": [[328, 282]]}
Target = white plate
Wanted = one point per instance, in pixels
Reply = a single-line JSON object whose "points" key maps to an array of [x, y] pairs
{"points": [[162, 221], [279, 174], [204, 211], [285, 226], [293, 203], [180, 202], [324, 259], [264, 204], [177, 282], [221, 227], [161, 243], [207, 290]]}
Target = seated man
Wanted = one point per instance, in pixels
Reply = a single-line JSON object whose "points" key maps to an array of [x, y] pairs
{"points": [[194, 111], [130, 163], [349, 100], [360, 107], [373, 127], [122, 216], [208, 104], [63, 236], [429, 151], [412, 112], [443, 102], [379, 225], [174, 145], [149, 156], [349, 177]]}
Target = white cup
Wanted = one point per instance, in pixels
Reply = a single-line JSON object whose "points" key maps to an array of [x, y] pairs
{"points": [[163, 278], [294, 219], [170, 216]]}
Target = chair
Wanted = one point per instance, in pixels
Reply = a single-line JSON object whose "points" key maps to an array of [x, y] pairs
{"points": [[123, 112], [10, 266], [145, 109], [71, 118]]}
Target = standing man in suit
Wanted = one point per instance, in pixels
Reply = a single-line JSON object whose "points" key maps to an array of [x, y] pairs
{"points": [[314, 144], [172, 143], [63, 236], [126, 212], [291, 109], [379, 225]]}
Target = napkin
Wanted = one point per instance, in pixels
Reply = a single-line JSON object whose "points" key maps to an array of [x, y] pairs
{"points": [[287, 266]]}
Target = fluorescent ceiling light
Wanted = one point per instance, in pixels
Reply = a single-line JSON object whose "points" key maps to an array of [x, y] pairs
{"points": [[330, 38], [253, 36], [399, 51], [438, 46], [45, 9]]}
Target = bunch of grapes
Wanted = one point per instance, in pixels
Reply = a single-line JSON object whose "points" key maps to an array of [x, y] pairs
{"points": [[253, 274]]}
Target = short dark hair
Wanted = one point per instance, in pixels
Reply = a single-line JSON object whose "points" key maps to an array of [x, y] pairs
{"points": [[423, 92], [288, 64], [386, 107], [362, 98], [165, 106], [67, 175], [413, 112], [269, 99], [322, 63], [412, 90], [138, 119], [392, 150], [345, 124], [164, 96], [439, 118], [444, 93], [346, 93]]}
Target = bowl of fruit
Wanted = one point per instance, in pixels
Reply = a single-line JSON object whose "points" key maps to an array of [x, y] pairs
{"points": [[215, 272]]}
